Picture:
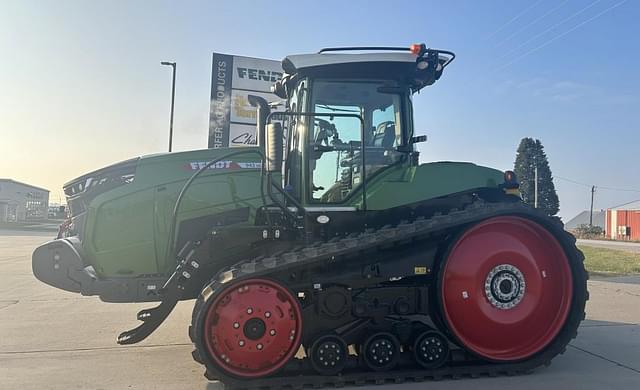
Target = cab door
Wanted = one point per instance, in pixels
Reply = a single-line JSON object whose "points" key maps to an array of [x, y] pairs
{"points": [[341, 156]]}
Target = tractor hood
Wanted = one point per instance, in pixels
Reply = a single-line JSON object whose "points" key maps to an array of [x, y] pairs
{"points": [[165, 166], [432, 180], [120, 215]]}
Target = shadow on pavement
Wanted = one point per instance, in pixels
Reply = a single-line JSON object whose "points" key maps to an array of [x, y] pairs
{"points": [[603, 349]]}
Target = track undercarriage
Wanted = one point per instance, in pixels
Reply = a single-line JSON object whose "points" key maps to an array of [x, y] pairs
{"points": [[424, 298]]}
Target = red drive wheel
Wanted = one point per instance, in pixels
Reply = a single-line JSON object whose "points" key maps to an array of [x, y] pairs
{"points": [[252, 328], [506, 288]]}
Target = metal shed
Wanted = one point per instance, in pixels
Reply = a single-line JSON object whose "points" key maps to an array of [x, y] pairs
{"points": [[623, 223], [22, 202]]}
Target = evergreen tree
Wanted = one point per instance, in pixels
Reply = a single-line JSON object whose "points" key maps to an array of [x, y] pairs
{"points": [[531, 154]]}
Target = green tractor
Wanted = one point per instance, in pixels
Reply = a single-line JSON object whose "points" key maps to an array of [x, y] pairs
{"points": [[328, 255]]}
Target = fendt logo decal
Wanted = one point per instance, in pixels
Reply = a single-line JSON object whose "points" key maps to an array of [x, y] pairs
{"points": [[197, 165], [259, 74]]}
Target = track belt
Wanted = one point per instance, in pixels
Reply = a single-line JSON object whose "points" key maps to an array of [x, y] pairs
{"points": [[296, 374]]}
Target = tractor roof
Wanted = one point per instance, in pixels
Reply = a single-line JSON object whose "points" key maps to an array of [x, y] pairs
{"points": [[299, 62], [417, 66]]}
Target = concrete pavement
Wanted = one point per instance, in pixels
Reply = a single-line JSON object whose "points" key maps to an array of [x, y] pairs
{"points": [[57, 340]]}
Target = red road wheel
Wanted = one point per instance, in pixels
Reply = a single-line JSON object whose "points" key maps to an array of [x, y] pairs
{"points": [[252, 328], [506, 288]]}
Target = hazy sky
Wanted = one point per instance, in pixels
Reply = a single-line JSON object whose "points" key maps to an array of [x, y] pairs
{"points": [[81, 85]]}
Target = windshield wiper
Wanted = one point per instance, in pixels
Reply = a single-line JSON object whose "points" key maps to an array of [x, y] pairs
{"points": [[336, 109]]}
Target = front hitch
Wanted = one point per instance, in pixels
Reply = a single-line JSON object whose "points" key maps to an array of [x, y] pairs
{"points": [[171, 292]]}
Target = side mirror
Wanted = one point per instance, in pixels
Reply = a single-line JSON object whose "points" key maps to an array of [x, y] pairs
{"points": [[419, 138], [413, 140], [279, 89], [273, 147]]}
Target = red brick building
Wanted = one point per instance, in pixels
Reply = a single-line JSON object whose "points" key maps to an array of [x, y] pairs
{"points": [[623, 223]]}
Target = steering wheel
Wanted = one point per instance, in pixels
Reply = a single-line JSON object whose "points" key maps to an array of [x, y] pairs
{"points": [[327, 130]]}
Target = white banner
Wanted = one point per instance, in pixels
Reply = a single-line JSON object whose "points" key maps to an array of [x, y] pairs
{"points": [[232, 119], [242, 135]]}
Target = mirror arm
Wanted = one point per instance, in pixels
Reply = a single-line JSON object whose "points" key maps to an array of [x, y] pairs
{"points": [[409, 147]]}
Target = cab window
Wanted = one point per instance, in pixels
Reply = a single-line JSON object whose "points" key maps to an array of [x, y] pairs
{"points": [[335, 144]]}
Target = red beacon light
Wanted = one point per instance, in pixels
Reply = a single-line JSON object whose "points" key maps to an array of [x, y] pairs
{"points": [[509, 176], [417, 48], [510, 184]]}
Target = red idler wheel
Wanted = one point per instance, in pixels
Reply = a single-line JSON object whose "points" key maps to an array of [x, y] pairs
{"points": [[506, 288], [252, 328]]}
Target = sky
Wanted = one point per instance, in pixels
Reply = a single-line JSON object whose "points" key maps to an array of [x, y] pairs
{"points": [[81, 85]]}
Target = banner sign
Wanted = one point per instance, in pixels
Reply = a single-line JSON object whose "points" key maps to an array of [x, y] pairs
{"points": [[232, 120]]}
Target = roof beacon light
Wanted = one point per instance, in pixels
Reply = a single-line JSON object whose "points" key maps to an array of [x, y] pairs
{"points": [[417, 48], [510, 177], [511, 184]]}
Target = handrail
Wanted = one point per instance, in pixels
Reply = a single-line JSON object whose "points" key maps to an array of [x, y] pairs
{"points": [[364, 48], [390, 48]]}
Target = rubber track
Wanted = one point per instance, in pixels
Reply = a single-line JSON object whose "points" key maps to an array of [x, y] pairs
{"points": [[417, 230]]}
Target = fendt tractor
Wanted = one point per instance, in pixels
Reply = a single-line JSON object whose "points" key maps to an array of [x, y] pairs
{"points": [[327, 254]]}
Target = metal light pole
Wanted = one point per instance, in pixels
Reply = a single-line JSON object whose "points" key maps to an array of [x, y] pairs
{"points": [[535, 186], [593, 191], [173, 96]]}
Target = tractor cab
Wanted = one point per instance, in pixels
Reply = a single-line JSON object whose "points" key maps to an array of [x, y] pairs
{"points": [[349, 117]]}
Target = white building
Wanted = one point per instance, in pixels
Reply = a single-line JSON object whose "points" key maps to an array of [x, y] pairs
{"points": [[20, 202]]}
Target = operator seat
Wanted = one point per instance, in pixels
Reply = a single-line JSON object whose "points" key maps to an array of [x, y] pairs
{"points": [[384, 138], [385, 135], [376, 147]]}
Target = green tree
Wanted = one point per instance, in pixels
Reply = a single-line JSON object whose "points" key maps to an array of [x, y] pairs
{"points": [[531, 154]]}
